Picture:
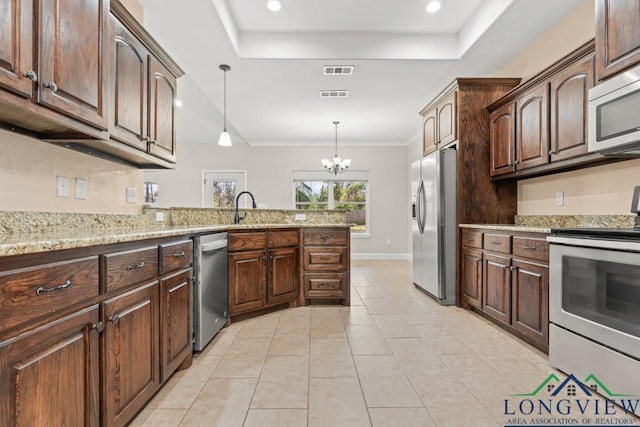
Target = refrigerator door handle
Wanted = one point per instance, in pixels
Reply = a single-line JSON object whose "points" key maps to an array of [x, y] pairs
{"points": [[422, 212], [419, 208]]}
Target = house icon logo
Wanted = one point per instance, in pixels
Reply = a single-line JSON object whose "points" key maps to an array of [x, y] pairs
{"points": [[586, 402]]}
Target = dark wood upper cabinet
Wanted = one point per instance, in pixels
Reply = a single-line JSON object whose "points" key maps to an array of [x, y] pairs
{"points": [[569, 95], [162, 95], [72, 58], [16, 47], [532, 128], [502, 139], [129, 68], [447, 119], [429, 137], [617, 36]]}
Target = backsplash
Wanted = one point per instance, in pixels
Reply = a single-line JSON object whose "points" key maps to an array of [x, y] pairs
{"points": [[569, 221]]}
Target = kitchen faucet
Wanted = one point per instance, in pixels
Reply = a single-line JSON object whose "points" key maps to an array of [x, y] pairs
{"points": [[236, 217]]}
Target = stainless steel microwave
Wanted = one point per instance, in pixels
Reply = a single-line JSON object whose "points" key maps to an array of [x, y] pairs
{"points": [[614, 115]]}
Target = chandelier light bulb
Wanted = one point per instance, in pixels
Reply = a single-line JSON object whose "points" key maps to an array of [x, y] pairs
{"points": [[338, 165]]}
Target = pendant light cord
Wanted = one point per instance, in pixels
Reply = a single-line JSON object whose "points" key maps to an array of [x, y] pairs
{"points": [[336, 152], [225, 100]]}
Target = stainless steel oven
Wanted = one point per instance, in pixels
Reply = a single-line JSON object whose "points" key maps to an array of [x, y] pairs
{"points": [[594, 305]]}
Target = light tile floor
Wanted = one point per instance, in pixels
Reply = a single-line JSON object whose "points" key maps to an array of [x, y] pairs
{"points": [[393, 358]]}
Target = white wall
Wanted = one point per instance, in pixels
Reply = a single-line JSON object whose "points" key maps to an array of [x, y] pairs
{"points": [[270, 177]]}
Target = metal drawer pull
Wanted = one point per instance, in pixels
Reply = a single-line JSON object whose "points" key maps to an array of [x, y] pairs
{"points": [[42, 289], [114, 319], [496, 243], [529, 248], [31, 75], [135, 266], [52, 87], [179, 254], [470, 239]]}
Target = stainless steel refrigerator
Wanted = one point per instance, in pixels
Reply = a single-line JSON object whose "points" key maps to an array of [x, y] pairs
{"points": [[433, 183]]}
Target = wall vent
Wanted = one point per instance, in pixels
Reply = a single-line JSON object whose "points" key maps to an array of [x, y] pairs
{"points": [[334, 93], [342, 70]]}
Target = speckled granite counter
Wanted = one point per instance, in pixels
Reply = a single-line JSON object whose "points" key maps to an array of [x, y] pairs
{"points": [[509, 227], [544, 223], [33, 232]]}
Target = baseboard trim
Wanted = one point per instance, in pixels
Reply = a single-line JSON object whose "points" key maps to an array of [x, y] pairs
{"points": [[403, 257]]}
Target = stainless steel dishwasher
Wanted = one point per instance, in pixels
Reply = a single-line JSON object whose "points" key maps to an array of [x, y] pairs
{"points": [[210, 288]]}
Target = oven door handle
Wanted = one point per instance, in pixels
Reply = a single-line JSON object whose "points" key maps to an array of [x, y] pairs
{"points": [[594, 242]]}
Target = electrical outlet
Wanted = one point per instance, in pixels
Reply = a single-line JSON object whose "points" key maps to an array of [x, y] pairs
{"points": [[81, 188], [560, 198], [63, 186], [300, 217], [159, 216], [131, 195]]}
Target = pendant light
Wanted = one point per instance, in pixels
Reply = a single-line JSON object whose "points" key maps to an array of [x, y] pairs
{"points": [[338, 165], [225, 138]]}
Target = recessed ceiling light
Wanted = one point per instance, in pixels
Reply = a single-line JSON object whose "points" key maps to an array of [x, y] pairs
{"points": [[433, 6], [274, 5]]}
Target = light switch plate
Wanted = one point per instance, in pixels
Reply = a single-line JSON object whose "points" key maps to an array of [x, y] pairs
{"points": [[560, 198], [131, 195], [62, 186], [81, 188]]}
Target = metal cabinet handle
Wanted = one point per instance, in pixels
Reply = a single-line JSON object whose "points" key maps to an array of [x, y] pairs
{"points": [[496, 243], [529, 248], [146, 139], [152, 141], [470, 239], [551, 152], [179, 254], [506, 267], [114, 319], [52, 86], [31, 75], [43, 289], [98, 326], [512, 268], [135, 266]]}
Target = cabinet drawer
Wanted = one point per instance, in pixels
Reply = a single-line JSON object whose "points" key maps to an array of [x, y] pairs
{"points": [[40, 291], [174, 256], [283, 239], [497, 243], [247, 241], [329, 237], [325, 259], [327, 285], [531, 248], [473, 239], [129, 267]]}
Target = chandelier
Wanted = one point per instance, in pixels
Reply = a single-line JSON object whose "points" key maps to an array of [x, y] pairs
{"points": [[338, 165]]}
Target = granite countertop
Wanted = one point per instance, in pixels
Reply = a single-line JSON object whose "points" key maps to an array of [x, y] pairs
{"points": [[49, 240], [510, 227]]}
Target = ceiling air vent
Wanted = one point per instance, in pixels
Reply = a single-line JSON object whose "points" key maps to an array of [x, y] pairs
{"points": [[334, 93], [338, 70]]}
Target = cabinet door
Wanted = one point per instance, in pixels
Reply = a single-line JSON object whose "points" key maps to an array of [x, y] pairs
{"points": [[283, 275], [530, 300], [447, 119], [617, 36], [429, 137], [175, 319], [532, 128], [16, 41], [162, 96], [497, 287], [72, 58], [569, 102], [128, 118], [131, 353], [49, 376], [472, 277], [502, 141], [247, 281]]}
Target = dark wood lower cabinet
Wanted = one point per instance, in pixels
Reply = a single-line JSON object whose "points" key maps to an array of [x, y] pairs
{"points": [[471, 267], [175, 321], [283, 275], [497, 285], [530, 299], [131, 353], [247, 281], [50, 375]]}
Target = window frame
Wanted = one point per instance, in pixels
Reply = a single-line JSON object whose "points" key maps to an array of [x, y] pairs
{"points": [[331, 179]]}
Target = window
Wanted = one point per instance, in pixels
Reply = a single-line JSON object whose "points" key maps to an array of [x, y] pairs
{"points": [[221, 188], [348, 191]]}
